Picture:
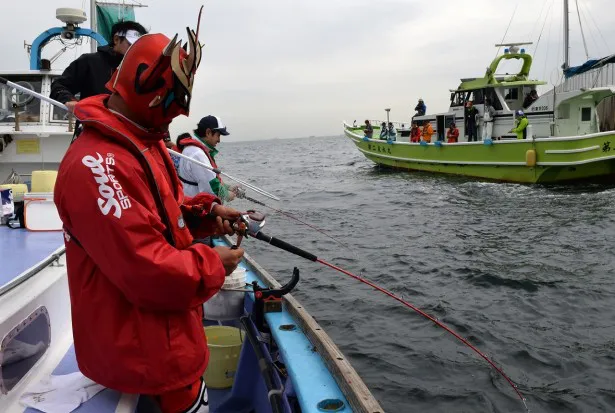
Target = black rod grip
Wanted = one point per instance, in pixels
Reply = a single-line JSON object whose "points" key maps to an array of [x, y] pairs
{"points": [[286, 246]]}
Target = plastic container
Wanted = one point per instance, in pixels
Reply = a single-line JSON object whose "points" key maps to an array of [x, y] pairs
{"points": [[40, 212], [43, 181], [224, 349], [227, 305], [18, 191]]}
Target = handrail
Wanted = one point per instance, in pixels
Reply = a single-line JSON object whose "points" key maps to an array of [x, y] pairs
{"points": [[31, 272]]}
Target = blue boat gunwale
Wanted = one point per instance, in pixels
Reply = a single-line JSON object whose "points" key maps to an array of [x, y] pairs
{"points": [[347, 379]]}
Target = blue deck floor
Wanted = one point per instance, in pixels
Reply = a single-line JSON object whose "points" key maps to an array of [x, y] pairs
{"points": [[21, 249]]}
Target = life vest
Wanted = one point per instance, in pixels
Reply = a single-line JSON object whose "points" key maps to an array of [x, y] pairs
{"points": [[182, 143]]}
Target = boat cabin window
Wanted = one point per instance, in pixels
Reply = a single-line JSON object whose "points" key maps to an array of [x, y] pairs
{"points": [[22, 347], [56, 114], [513, 97], [511, 94], [477, 97], [586, 114], [458, 99], [493, 96], [12, 101]]}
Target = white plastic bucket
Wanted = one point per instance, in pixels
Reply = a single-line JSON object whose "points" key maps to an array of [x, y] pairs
{"points": [[227, 305]]}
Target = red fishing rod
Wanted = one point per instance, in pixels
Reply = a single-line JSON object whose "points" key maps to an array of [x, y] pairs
{"points": [[255, 221]]}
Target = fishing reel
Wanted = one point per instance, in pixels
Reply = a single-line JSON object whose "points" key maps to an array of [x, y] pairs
{"points": [[248, 225]]}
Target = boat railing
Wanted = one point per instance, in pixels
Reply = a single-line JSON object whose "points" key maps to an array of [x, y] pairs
{"points": [[25, 276], [603, 76], [22, 113]]}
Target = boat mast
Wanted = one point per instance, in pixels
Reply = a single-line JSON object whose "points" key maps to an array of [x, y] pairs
{"points": [[93, 43], [566, 64]]}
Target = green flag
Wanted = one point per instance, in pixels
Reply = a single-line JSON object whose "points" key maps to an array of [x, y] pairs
{"points": [[109, 14]]}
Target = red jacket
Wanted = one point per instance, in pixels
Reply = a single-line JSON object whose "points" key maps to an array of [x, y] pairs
{"points": [[452, 135], [136, 282]]}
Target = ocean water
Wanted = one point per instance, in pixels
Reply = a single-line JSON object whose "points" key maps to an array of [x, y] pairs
{"points": [[524, 273]]}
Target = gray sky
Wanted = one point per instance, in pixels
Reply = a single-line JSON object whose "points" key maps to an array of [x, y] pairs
{"points": [[279, 68]]}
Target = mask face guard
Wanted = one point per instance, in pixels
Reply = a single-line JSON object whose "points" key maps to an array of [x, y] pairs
{"points": [[183, 66]]}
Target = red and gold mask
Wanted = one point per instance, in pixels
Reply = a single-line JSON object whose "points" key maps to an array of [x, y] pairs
{"points": [[156, 76]]}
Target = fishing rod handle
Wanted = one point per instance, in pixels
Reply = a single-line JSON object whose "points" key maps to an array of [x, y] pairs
{"points": [[285, 246]]}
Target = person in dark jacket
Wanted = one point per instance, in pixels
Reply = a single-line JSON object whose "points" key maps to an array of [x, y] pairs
{"points": [[420, 108], [470, 117], [88, 74]]}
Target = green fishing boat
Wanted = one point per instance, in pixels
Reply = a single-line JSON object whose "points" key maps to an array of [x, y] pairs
{"points": [[570, 135]]}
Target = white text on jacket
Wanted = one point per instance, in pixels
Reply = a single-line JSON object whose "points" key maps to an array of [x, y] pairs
{"points": [[113, 197]]}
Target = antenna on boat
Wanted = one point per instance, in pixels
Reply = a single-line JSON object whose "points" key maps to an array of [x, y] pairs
{"points": [[566, 64], [387, 111], [93, 24], [513, 48]]}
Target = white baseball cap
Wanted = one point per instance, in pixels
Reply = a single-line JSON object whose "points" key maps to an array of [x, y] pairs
{"points": [[130, 35]]}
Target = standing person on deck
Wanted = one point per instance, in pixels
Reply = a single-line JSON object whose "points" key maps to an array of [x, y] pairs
{"points": [[521, 123], [471, 114], [197, 179], [369, 130], [136, 275], [89, 74], [488, 119], [415, 133], [452, 134], [427, 131]]}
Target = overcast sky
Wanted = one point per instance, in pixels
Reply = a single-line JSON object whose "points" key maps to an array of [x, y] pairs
{"points": [[279, 68]]}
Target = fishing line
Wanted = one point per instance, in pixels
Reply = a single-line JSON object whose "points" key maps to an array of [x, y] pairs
{"points": [[255, 223], [242, 195]]}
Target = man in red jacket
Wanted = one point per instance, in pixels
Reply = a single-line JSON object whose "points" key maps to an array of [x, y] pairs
{"points": [[137, 278]]}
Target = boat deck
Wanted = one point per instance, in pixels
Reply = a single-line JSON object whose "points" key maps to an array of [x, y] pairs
{"points": [[21, 249]]}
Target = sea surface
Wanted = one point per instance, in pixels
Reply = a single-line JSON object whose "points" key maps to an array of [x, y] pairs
{"points": [[524, 272]]}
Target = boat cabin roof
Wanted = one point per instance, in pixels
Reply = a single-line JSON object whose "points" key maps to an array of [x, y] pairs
{"points": [[477, 84], [493, 80]]}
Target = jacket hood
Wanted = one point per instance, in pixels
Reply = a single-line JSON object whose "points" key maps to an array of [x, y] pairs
{"points": [[93, 113], [111, 55]]}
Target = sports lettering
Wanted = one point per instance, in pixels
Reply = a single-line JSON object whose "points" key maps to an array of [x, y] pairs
{"points": [[113, 197]]}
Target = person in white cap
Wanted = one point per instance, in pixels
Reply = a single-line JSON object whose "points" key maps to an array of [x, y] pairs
{"points": [[88, 75], [195, 178]]}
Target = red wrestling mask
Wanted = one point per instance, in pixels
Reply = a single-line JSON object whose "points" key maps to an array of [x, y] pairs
{"points": [[156, 76]]}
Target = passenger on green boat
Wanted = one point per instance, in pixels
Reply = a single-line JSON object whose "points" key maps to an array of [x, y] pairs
{"points": [[520, 125], [369, 130], [384, 131], [392, 132]]}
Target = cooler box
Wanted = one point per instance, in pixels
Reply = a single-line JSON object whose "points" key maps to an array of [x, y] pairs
{"points": [[40, 212]]}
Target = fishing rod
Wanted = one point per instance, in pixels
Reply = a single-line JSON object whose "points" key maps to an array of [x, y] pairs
{"points": [[218, 171], [251, 224], [54, 102], [240, 193]]}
